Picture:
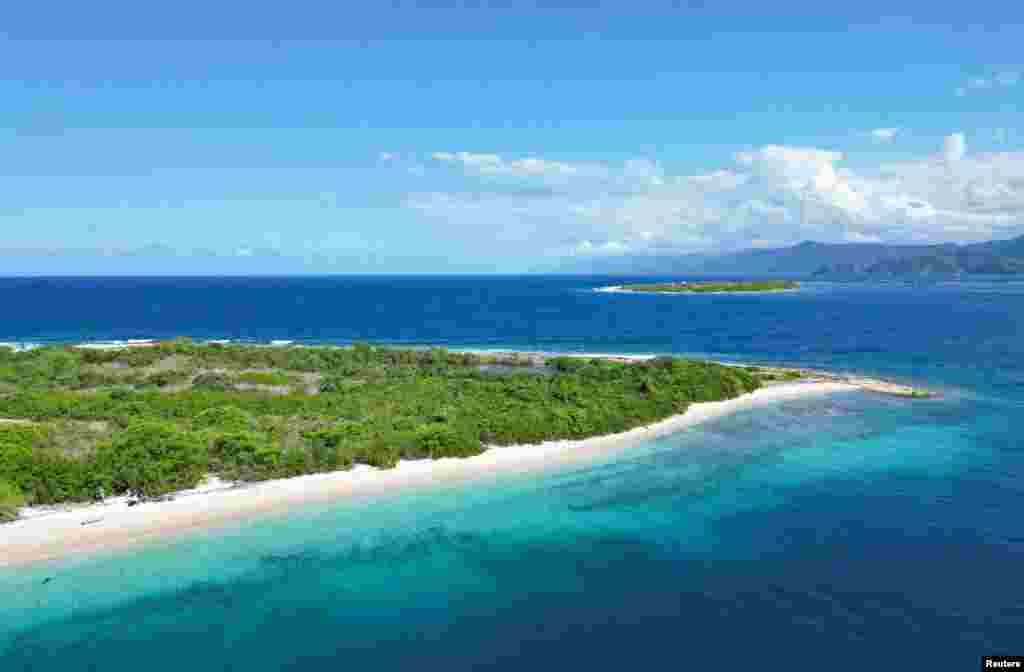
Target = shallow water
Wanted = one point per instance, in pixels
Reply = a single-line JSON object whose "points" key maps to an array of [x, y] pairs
{"points": [[856, 528]]}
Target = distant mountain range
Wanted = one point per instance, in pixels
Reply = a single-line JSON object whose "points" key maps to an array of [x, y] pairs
{"points": [[828, 260]]}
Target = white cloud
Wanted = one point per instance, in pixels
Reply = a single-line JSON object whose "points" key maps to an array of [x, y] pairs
{"points": [[995, 80], [607, 248], [908, 206], [408, 164], [858, 237], [954, 147], [643, 171], [805, 173], [494, 164], [884, 135], [719, 180], [793, 168], [772, 195]]}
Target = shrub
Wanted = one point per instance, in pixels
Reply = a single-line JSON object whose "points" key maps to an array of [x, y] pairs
{"points": [[165, 378], [217, 382], [265, 378], [439, 440], [11, 500], [567, 364], [41, 473], [339, 446], [225, 419], [153, 458], [362, 352], [332, 385], [245, 456], [342, 432]]}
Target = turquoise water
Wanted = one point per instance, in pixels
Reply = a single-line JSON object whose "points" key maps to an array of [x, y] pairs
{"points": [[867, 530]]}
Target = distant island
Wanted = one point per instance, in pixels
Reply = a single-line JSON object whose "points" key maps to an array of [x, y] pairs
{"points": [[708, 287], [827, 261]]}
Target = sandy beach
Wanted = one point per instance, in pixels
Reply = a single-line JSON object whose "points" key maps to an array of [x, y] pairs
{"points": [[620, 289], [51, 533]]}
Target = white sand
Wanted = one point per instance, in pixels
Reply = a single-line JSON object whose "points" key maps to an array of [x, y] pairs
{"points": [[47, 533], [620, 289]]}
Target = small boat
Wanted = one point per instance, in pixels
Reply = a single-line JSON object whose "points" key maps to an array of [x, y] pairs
{"points": [[279, 343], [92, 521]]}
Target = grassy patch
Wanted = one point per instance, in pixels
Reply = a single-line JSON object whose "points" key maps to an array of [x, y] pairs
{"points": [[275, 378]]}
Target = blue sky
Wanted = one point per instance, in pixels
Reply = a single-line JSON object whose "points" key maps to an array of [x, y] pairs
{"points": [[474, 137]]}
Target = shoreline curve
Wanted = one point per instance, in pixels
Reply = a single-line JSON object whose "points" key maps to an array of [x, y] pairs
{"points": [[47, 534]]}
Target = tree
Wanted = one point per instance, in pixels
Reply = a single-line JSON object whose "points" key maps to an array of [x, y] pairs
{"points": [[150, 459], [246, 456], [224, 418], [440, 440], [11, 500]]}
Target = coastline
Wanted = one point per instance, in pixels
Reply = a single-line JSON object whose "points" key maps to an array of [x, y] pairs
{"points": [[619, 289], [54, 533]]}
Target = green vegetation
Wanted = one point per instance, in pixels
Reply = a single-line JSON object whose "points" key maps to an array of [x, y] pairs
{"points": [[710, 287], [775, 375], [95, 424], [11, 500], [265, 378]]}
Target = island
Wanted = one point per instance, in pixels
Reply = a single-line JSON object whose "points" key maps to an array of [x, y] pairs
{"points": [[95, 441], [707, 287]]}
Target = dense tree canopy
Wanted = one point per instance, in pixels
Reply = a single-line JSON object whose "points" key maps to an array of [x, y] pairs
{"points": [[150, 421], [11, 500]]}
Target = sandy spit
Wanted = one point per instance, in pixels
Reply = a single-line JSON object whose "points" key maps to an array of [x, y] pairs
{"points": [[620, 289], [56, 532]]}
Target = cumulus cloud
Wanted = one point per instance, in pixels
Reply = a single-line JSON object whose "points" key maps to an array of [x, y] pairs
{"points": [[792, 167], [954, 147], [643, 171], [884, 135], [997, 79], [496, 165], [408, 164], [771, 195], [719, 180], [804, 172], [858, 237]]}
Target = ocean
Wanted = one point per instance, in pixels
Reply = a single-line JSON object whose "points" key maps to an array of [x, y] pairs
{"points": [[851, 531]]}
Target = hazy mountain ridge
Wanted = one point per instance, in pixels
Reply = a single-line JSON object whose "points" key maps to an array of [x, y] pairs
{"points": [[995, 257]]}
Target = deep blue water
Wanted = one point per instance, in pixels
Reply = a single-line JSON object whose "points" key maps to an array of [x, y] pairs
{"points": [[860, 529]]}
